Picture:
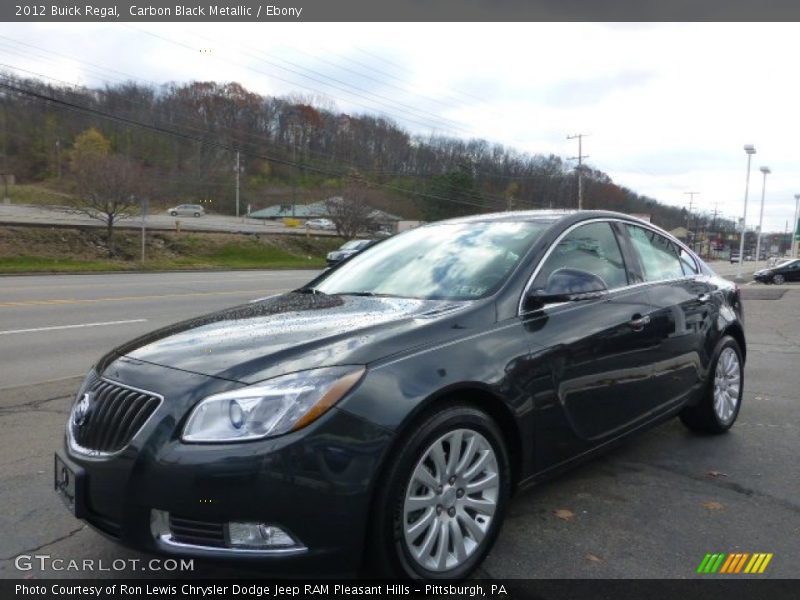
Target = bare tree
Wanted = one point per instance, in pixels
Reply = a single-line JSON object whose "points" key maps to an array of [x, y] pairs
{"points": [[108, 189], [350, 212]]}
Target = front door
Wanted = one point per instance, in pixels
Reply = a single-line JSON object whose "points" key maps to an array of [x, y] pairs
{"points": [[598, 350]]}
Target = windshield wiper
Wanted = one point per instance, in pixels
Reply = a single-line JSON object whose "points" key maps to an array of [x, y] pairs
{"points": [[309, 290]]}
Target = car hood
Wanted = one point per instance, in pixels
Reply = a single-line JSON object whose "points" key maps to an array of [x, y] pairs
{"points": [[293, 332]]}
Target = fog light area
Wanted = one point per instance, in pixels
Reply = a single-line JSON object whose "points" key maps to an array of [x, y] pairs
{"points": [[238, 535]]}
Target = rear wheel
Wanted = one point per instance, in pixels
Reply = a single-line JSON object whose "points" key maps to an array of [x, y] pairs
{"points": [[443, 498], [717, 410]]}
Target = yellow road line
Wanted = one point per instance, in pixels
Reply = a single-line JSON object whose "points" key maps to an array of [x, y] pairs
{"points": [[55, 302]]}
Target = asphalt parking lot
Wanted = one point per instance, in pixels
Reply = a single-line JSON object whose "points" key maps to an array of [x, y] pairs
{"points": [[650, 508]]}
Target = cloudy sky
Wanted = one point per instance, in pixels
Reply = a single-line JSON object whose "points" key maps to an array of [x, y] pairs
{"points": [[666, 107]]}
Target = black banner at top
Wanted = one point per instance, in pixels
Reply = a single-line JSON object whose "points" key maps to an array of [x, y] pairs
{"points": [[397, 10]]}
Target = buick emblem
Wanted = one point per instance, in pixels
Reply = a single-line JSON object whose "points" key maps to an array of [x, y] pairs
{"points": [[81, 411]]}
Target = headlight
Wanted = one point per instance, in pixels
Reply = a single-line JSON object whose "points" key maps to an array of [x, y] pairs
{"points": [[269, 408]]}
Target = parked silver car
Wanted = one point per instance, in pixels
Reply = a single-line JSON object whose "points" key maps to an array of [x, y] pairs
{"points": [[187, 210], [324, 224]]}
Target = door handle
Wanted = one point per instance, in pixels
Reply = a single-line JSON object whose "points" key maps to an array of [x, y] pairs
{"points": [[638, 323], [703, 298]]}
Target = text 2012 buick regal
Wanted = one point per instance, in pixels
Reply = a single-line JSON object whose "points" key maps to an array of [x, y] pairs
{"points": [[383, 414]]}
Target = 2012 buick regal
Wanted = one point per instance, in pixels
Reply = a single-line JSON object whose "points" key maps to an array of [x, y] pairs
{"points": [[385, 412]]}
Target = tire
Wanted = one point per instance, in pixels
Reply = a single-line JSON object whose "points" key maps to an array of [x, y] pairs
{"points": [[196, 214], [174, 214], [778, 279], [395, 547], [717, 410]]}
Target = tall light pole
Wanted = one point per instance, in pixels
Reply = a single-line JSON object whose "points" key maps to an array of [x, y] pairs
{"points": [[795, 226], [765, 171], [750, 149]]}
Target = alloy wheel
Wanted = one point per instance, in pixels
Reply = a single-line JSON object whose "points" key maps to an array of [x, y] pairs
{"points": [[777, 279], [727, 382], [450, 500]]}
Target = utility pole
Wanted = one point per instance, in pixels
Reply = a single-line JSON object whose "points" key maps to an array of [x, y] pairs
{"points": [[144, 225], [237, 184], [579, 158], [5, 158], [691, 207], [58, 157], [714, 228]]}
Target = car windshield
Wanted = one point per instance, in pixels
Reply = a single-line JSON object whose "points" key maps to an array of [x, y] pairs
{"points": [[785, 263], [455, 261]]}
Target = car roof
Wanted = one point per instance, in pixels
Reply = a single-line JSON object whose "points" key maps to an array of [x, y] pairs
{"points": [[549, 216]]}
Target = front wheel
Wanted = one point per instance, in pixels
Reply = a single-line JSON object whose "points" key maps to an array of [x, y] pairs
{"points": [[778, 279], [443, 497], [718, 408]]}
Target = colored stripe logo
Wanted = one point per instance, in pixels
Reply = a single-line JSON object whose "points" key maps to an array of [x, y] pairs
{"points": [[739, 562]]}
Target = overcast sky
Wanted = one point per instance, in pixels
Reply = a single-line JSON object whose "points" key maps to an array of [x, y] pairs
{"points": [[667, 107]]}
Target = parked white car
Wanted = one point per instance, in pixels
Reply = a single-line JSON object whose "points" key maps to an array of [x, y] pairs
{"points": [[325, 224], [187, 210]]}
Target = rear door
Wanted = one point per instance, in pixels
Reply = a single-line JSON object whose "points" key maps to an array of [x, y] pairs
{"points": [[683, 315]]}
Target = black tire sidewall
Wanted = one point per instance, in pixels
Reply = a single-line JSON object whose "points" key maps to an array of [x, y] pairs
{"points": [[389, 514], [775, 281]]}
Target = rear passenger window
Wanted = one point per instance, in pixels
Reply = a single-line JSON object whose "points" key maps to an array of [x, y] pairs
{"points": [[591, 248], [657, 254]]}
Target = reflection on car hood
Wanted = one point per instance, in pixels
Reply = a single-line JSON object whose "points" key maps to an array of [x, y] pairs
{"points": [[293, 332]]}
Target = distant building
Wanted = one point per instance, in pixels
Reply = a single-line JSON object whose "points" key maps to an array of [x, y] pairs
{"points": [[642, 216], [681, 233], [318, 210]]}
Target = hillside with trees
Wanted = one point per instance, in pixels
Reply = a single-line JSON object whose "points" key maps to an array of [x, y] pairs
{"points": [[181, 141]]}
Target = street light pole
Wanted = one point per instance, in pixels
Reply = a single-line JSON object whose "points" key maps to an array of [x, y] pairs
{"points": [[765, 171], [795, 227], [750, 149]]}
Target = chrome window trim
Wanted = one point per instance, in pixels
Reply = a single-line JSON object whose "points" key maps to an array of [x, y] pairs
{"points": [[632, 221], [88, 452]]}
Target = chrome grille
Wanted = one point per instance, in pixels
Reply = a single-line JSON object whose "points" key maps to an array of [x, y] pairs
{"points": [[107, 415]]}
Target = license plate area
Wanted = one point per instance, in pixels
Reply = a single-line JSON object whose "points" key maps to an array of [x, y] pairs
{"points": [[69, 482]]}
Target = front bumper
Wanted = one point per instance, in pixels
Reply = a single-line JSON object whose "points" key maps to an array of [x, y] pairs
{"points": [[315, 483]]}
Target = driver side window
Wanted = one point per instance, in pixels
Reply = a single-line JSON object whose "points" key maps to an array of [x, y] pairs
{"points": [[593, 248]]}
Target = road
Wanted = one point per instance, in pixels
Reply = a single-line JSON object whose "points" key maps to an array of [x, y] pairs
{"points": [[653, 507], [30, 214], [57, 326]]}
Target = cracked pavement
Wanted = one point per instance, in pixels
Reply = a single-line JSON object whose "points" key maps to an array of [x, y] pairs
{"points": [[650, 508]]}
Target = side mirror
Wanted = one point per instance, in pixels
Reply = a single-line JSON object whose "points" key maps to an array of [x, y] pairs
{"points": [[568, 285]]}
